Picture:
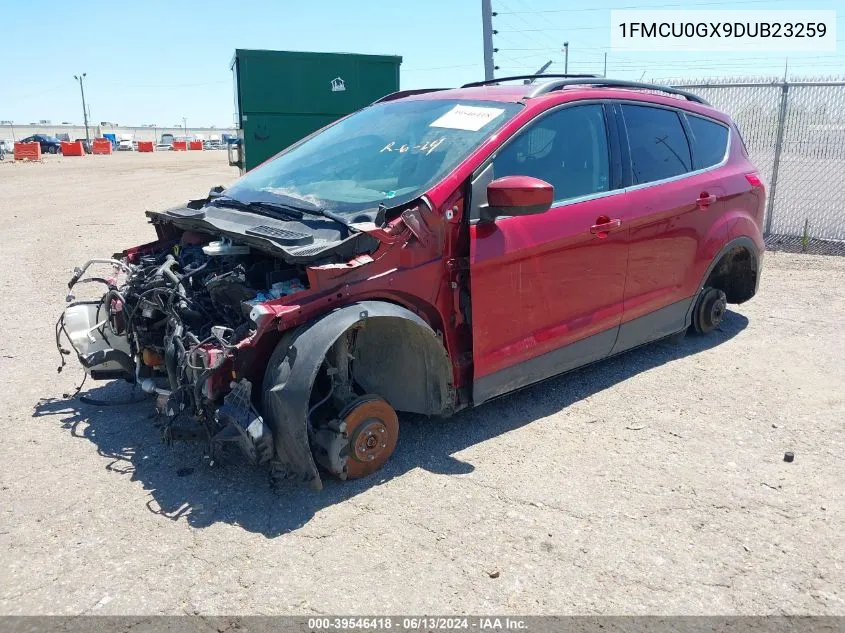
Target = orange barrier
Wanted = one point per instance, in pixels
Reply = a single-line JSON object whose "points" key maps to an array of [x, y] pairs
{"points": [[101, 146], [195, 145], [73, 149], [145, 146], [27, 151], [179, 146]]}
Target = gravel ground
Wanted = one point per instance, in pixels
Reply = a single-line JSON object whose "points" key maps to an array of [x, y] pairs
{"points": [[653, 483]]}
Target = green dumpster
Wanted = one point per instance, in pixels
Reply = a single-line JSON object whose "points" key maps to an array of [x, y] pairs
{"points": [[282, 96]]}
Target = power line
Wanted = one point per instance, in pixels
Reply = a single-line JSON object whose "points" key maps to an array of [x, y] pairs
{"points": [[524, 21], [439, 68], [652, 6], [586, 28], [208, 83]]}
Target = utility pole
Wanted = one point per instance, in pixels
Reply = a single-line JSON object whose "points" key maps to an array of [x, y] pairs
{"points": [[487, 34], [185, 126], [79, 78], [604, 74], [566, 58]]}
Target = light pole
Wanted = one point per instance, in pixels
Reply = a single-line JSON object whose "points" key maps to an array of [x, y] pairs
{"points": [[79, 78], [185, 126], [566, 58]]}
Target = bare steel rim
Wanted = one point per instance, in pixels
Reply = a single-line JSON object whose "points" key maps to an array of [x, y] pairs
{"points": [[710, 310], [372, 427]]}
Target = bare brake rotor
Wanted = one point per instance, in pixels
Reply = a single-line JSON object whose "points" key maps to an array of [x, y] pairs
{"points": [[373, 430]]}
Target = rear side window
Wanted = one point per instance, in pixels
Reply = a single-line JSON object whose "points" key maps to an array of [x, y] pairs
{"points": [[659, 146], [710, 140]]}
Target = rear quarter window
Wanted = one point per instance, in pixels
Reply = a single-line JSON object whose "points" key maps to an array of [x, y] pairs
{"points": [[710, 141], [658, 143]]}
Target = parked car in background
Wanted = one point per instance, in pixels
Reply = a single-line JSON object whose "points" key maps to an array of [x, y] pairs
{"points": [[165, 144], [426, 254], [49, 144], [125, 143]]}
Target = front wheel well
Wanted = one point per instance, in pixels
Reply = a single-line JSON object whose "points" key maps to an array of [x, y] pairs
{"points": [[735, 274], [404, 363]]}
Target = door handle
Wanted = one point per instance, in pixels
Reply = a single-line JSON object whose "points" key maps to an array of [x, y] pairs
{"points": [[605, 227], [705, 200]]}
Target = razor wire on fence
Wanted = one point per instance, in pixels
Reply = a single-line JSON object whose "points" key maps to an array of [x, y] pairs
{"points": [[795, 134]]}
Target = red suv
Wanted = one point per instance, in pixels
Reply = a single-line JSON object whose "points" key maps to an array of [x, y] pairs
{"points": [[426, 254]]}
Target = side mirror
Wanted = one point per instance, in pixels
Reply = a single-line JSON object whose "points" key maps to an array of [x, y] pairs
{"points": [[517, 195]]}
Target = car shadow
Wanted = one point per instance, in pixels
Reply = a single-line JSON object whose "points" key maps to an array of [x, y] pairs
{"points": [[182, 485]]}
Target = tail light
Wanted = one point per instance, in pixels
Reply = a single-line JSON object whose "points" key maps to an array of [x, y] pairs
{"points": [[754, 180]]}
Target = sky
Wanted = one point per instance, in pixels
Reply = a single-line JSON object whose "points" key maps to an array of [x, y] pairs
{"points": [[155, 62]]}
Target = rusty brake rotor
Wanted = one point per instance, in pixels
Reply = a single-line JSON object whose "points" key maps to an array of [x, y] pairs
{"points": [[373, 430]]}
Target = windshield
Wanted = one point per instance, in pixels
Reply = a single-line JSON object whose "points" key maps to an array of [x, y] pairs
{"points": [[388, 153]]}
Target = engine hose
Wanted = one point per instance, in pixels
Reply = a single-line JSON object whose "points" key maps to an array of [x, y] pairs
{"points": [[166, 270], [198, 384], [170, 359]]}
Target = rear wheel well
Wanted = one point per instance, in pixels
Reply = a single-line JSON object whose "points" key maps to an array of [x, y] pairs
{"points": [[735, 274]]}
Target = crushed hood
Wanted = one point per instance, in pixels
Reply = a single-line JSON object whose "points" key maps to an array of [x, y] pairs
{"points": [[309, 239]]}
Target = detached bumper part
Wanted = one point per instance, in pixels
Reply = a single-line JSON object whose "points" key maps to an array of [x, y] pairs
{"points": [[103, 356], [109, 364]]}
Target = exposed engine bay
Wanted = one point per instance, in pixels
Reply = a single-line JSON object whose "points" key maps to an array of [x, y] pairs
{"points": [[253, 341], [168, 320]]}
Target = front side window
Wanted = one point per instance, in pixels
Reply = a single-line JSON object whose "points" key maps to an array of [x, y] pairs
{"points": [[387, 154], [659, 146], [568, 149], [710, 140]]}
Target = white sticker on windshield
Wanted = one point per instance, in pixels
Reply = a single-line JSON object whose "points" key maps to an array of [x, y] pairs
{"points": [[464, 117]]}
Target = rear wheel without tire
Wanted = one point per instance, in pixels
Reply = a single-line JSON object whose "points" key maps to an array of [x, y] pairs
{"points": [[709, 310]]}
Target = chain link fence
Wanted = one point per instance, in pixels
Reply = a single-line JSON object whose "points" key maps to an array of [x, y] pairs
{"points": [[795, 134]]}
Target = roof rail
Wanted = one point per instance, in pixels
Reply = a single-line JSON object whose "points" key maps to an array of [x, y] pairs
{"points": [[611, 83], [400, 94], [488, 82]]}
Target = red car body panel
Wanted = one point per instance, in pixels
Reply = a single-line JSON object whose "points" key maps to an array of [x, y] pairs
{"points": [[543, 282]]}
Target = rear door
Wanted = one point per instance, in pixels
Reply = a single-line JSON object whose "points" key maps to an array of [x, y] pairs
{"points": [[547, 289], [673, 203]]}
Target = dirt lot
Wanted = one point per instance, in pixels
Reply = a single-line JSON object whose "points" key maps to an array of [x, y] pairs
{"points": [[651, 483]]}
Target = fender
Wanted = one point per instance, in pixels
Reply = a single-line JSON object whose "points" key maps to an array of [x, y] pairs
{"points": [[294, 366]]}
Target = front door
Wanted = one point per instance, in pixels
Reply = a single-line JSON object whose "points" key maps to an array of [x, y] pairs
{"points": [[547, 289]]}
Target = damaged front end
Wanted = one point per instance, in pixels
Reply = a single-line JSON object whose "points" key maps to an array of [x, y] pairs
{"points": [[300, 360], [170, 319]]}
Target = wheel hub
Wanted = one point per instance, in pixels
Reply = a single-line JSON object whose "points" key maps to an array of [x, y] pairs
{"points": [[711, 310], [373, 430], [368, 440]]}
